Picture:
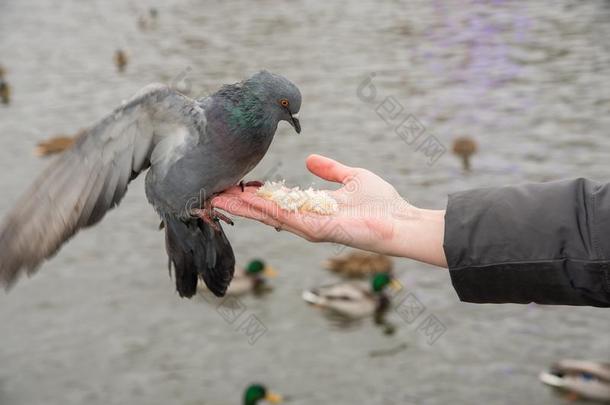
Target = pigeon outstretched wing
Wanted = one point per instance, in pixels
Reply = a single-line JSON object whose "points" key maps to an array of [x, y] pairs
{"points": [[90, 178]]}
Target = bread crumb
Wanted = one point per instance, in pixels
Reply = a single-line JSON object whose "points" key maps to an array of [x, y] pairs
{"points": [[294, 199]]}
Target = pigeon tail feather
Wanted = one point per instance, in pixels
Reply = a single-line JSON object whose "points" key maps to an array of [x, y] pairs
{"points": [[197, 250]]}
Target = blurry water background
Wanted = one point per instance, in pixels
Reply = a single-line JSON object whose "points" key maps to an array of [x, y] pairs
{"points": [[101, 322]]}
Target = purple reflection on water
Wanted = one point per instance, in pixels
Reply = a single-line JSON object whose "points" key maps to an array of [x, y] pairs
{"points": [[485, 64]]}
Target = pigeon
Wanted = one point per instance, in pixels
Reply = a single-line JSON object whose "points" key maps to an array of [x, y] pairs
{"points": [[192, 149]]}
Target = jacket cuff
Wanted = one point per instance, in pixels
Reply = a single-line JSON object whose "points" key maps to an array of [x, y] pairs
{"points": [[522, 244]]}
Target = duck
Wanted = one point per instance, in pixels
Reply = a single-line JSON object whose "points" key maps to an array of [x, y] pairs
{"points": [[250, 279], [5, 89], [148, 21], [258, 392], [359, 264], [584, 379], [120, 60], [354, 300], [57, 144], [464, 147]]}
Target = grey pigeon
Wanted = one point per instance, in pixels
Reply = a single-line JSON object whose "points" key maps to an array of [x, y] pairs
{"points": [[193, 149]]}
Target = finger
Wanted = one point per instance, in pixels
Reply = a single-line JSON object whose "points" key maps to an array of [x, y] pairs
{"points": [[231, 204], [267, 207], [309, 225], [241, 208], [232, 189], [249, 206], [330, 169]]}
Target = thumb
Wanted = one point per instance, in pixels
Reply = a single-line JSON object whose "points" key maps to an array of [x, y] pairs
{"points": [[330, 169]]}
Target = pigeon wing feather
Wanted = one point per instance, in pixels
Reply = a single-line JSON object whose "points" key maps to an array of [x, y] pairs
{"points": [[90, 178]]}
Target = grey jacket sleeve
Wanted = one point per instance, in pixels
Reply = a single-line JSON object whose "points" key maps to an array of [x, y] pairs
{"points": [[547, 243]]}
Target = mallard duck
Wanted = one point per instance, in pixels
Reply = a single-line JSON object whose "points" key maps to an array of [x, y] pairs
{"points": [[580, 379], [252, 278], [464, 147], [354, 299], [120, 60], [56, 144], [359, 264], [5, 89], [53, 145], [258, 392]]}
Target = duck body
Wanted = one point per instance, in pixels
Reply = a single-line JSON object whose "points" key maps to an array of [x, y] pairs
{"points": [[251, 279], [359, 264], [57, 144], [148, 21], [585, 379], [5, 91], [464, 147], [243, 284], [120, 60], [352, 300]]}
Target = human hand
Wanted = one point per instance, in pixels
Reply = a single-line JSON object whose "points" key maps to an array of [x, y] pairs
{"points": [[371, 214]]}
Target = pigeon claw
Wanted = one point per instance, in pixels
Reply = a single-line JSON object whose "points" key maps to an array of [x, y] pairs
{"points": [[254, 183], [212, 218], [219, 216]]}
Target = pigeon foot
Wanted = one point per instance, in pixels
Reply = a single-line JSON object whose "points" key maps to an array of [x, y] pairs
{"points": [[211, 217]]}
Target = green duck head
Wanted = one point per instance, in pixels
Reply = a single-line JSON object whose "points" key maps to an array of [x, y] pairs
{"points": [[258, 392], [257, 267], [380, 281]]}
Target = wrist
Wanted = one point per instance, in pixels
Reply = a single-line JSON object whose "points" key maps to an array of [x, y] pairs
{"points": [[418, 234]]}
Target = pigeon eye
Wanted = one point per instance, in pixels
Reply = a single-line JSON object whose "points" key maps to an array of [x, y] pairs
{"points": [[284, 103]]}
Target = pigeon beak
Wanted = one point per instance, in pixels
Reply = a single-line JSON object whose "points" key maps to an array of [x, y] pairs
{"points": [[296, 124]]}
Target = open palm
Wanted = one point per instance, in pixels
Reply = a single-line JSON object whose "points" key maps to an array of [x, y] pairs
{"points": [[369, 208]]}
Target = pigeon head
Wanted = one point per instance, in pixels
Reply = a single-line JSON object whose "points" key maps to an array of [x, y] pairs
{"points": [[260, 103], [281, 98]]}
